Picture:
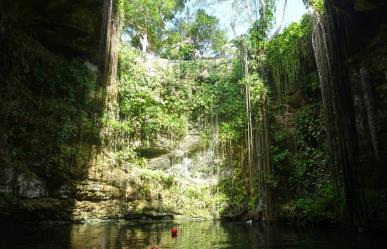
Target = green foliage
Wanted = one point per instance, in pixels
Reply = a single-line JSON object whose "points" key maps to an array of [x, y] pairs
{"points": [[260, 29], [155, 176], [310, 127], [48, 111], [281, 164], [149, 17], [206, 93], [229, 132], [235, 187], [289, 55], [311, 162], [151, 105], [126, 154], [205, 32], [188, 38], [300, 178], [258, 90], [307, 209], [216, 94], [303, 180], [186, 52], [317, 5]]}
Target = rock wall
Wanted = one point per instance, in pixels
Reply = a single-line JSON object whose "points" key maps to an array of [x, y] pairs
{"points": [[348, 39], [48, 110], [367, 65], [177, 182]]}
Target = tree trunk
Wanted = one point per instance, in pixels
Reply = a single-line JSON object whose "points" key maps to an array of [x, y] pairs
{"points": [[144, 42]]}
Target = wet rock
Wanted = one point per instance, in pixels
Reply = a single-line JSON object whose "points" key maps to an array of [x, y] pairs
{"points": [[5, 189], [30, 187], [97, 191], [6, 175], [151, 152], [64, 192], [163, 162]]}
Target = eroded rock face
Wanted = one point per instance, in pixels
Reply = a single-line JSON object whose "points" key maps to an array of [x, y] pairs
{"points": [[21, 184], [40, 40], [30, 187], [176, 182]]}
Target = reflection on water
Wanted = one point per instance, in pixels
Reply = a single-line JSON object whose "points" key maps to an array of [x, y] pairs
{"points": [[191, 234]]}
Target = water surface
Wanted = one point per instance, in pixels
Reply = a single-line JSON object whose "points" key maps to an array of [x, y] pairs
{"points": [[191, 234]]}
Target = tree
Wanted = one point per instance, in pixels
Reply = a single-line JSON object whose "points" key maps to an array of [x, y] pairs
{"points": [[189, 36], [145, 20], [178, 43], [206, 34]]}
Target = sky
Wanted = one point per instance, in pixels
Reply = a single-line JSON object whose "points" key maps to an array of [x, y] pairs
{"points": [[225, 12]]}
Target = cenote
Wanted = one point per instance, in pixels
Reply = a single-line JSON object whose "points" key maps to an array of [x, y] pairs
{"points": [[191, 235], [123, 119]]}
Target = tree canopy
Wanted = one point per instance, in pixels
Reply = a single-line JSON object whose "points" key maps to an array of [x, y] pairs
{"points": [[153, 26], [206, 33], [146, 20], [199, 36]]}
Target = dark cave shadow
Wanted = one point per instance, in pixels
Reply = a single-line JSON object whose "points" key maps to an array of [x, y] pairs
{"points": [[51, 109]]}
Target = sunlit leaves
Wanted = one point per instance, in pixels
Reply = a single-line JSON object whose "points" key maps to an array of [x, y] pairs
{"points": [[153, 105], [261, 27], [286, 53], [149, 17], [206, 33], [317, 5], [258, 90]]}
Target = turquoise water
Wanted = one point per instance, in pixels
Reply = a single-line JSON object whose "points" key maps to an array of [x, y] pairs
{"points": [[191, 234]]}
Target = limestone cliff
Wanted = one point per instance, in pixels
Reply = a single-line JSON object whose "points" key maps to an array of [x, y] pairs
{"points": [[50, 103]]}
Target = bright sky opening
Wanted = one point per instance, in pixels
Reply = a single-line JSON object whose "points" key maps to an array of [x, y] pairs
{"points": [[226, 12]]}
